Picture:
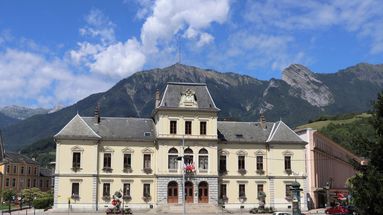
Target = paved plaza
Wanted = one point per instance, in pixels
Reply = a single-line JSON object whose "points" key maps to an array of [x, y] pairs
{"points": [[148, 211]]}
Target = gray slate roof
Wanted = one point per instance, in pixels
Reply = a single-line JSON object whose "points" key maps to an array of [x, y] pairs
{"points": [[243, 131], [77, 128], [173, 91], [12, 157], [46, 172], [114, 128], [283, 133]]}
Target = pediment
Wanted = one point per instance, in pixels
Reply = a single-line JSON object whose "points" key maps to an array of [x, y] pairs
{"points": [[241, 153], [147, 151], [127, 150], [77, 149], [107, 149]]}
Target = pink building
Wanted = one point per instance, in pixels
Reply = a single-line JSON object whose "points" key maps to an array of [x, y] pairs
{"points": [[328, 168]]}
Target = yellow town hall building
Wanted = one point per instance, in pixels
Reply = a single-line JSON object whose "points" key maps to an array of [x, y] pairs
{"points": [[230, 162]]}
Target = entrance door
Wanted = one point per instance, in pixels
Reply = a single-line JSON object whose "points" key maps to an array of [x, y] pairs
{"points": [[172, 192], [203, 192], [189, 192]]}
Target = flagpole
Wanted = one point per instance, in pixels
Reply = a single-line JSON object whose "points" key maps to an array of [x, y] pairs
{"points": [[183, 174]]}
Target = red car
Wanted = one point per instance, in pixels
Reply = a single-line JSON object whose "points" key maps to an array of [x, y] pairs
{"points": [[338, 210]]}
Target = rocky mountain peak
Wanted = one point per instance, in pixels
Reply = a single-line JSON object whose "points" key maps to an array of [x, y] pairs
{"points": [[306, 85]]}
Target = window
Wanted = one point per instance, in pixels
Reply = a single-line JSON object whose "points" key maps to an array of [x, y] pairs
{"points": [[173, 127], [203, 159], [259, 189], [29, 183], [259, 162], [106, 190], [34, 182], [188, 156], [288, 163], [127, 161], [146, 190], [7, 182], [202, 128], [8, 168], [29, 170], [75, 190], [126, 190], [22, 170], [288, 191], [222, 163], [172, 159], [14, 169], [35, 170], [47, 183], [222, 193], [241, 162], [41, 183], [147, 161], [76, 160], [107, 160], [188, 127], [241, 193], [13, 182]]}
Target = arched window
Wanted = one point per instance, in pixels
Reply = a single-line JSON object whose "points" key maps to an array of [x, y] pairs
{"points": [[203, 159], [188, 157], [172, 159]]}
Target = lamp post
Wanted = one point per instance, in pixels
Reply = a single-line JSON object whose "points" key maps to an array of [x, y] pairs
{"points": [[327, 188]]}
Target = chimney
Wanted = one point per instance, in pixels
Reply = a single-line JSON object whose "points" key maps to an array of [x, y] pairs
{"points": [[97, 117], [262, 120], [157, 104]]}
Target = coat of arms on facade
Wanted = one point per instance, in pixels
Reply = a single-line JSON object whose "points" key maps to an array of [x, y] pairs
{"points": [[188, 99]]}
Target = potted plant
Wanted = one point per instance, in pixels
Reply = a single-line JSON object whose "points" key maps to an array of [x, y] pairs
{"points": [[127, 169], [242, 171], [148, 170], [260, 171], [288, 171], [107, 169]]}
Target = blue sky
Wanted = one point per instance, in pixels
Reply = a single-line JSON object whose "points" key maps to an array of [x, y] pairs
{"points": [[57, 52]]}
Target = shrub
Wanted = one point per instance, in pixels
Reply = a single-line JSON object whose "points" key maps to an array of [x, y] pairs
{"points": [[43, 203]]}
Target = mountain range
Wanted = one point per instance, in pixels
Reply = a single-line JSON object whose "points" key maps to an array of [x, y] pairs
{"points": [[299, 96]]}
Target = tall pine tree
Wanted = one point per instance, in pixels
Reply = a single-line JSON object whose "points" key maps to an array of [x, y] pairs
{"points": [[366, 187]]}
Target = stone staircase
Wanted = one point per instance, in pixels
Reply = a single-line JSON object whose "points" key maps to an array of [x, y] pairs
{"points": [[189, 208]]}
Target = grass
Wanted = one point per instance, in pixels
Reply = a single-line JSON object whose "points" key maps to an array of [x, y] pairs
{"points": [[320, 124]]}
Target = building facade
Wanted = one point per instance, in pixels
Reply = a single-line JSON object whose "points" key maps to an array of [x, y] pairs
{"points": [[328, 169], [18, 172], [145, 158]]}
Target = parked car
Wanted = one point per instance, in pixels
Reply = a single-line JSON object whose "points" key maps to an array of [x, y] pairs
{"points": [[338, 210]]}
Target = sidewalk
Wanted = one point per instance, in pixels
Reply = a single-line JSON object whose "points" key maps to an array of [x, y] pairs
{"points": [[146, 211]]}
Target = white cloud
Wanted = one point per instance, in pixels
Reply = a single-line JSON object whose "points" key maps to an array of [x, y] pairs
{"points": [[364, 18], [31, 78], [119, 59], [172, 16], [99, 26]]}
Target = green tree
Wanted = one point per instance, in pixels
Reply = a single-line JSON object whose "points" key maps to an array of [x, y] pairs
{"points": [[29, 195], [366, 187], [8, 195]]}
